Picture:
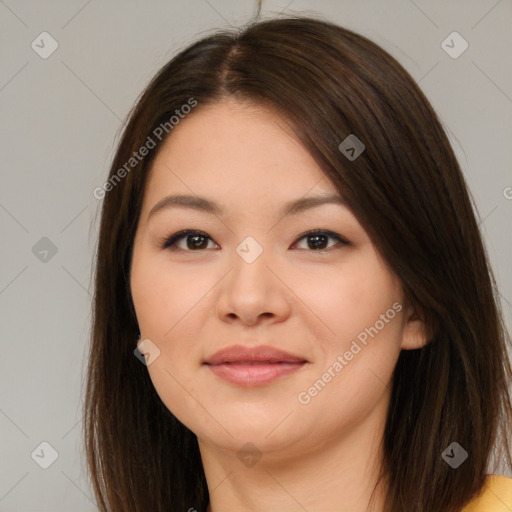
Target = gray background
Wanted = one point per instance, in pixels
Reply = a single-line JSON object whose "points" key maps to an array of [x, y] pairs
{"points": [[61, 119]]}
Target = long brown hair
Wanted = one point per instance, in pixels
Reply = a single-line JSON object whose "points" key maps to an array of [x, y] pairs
{"points": [[408, 192]]}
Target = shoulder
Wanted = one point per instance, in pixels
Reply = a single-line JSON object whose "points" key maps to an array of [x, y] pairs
{"points": [[496, 496]]}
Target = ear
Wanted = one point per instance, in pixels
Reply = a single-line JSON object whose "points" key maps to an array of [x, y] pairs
{"points": [[415, 332]]}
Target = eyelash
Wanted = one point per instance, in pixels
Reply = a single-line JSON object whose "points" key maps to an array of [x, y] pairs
{"points": [[169, 242]]}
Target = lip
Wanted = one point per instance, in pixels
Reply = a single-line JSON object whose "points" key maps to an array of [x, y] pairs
{"points": [[253, 366], [259, 354]]}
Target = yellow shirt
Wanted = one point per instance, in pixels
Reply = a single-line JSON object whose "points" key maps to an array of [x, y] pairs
{"points": [[496, 496]]}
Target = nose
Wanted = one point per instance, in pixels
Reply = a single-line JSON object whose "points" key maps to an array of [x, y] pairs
{"points": [[254, 292]]}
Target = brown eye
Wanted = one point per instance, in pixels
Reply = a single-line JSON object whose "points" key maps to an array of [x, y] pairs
{"points": [[194, 241], [318, 240]]}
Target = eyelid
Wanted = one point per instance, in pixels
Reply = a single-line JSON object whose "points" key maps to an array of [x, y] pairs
{"points": [[167, 240], [319, 231]]}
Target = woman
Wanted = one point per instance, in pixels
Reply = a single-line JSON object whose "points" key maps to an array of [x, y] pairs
{"points": [[293, 305]]}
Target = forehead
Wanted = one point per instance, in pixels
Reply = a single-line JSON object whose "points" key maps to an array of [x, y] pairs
{"points": [[232, 150]]}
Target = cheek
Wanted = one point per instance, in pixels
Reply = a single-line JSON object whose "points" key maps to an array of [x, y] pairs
{"points": [[353, 382], [167, 303], [347, 301], [361, 306], [165, 294]]}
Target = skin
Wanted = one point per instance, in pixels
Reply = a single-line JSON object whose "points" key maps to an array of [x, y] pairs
{"points": [[318, 456]]}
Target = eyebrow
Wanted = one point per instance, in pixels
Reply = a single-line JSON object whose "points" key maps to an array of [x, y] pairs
{"points": [[202, 204]]}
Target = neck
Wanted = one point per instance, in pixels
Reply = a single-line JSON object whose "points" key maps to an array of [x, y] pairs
{"points": [[335, 474]]}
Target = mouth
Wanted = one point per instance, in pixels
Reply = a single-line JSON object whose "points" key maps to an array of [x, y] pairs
{"points": [[253, 366]]}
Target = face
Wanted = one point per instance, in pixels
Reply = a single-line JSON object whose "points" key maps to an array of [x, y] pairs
{"points": [[309, 282]]}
